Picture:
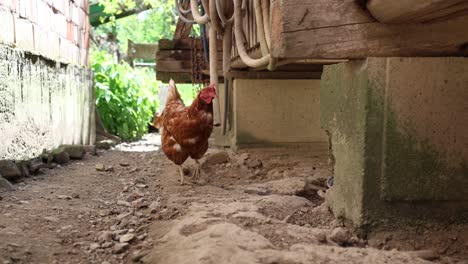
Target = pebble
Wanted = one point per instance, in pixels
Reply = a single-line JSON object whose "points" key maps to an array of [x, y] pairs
{"points": [[124, 203], [217, 158], [94, 246], [51, 219], [253, 163], [100, 167], [124, 164], [340, 236], [105, 236], [120, 248], [126, 238], [64, 197]]}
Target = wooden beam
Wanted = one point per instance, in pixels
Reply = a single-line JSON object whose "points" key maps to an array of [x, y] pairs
{"points": [[315, 75], [142, 51], [182, 44], [176, 55], [404, 11], [341, 29], [177, 66]]}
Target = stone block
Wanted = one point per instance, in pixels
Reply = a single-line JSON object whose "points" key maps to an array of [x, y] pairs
{"points": [[276, 112], [397, 128], [9, 170]]}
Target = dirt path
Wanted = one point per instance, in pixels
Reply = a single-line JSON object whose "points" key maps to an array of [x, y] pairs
{"points": [[254, 207]]}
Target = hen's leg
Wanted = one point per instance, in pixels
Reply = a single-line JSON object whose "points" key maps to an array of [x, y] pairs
{"points": [[197, 172], [181, 172]]}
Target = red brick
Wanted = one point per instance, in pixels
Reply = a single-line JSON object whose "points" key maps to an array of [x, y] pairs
{"points": [[24, 34], [70, 33], [7, 34]]}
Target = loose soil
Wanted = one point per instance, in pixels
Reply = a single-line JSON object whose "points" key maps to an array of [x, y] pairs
{"points": [[257, 206]]}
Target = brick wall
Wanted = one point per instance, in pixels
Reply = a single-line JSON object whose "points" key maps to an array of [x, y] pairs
{"points": [[56, 29]]}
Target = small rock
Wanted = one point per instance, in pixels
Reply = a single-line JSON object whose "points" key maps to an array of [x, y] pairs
{"points": [[9, 170], [253, 163], [138, 255], [140, 185], [105, 262], [243, 157], [75, 195], [5, 184], [90, 149], [120, 248], [74, 151], [142, 237], [124, 203], [124, 164], [340, 236], [51, 219], [154, 207], [106, 144], [64, 197], [36, 165], [126, 238], [94, 246], [107, 244], [424, 254], [109, 168], [105, 236], [216, 158], [100, 167], [60, 156], [24, 168]]}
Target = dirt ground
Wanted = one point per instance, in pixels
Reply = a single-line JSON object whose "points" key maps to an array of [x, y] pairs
{"points": [[255, 206]]}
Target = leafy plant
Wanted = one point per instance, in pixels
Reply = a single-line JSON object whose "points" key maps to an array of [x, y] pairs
{"points": [[125, 97]]}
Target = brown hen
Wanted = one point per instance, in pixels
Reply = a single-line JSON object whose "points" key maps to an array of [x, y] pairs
{"points": [[185, 130]]}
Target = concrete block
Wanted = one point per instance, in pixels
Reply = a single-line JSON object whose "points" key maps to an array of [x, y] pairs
{"points": [[271, 112], [24, 34], [25, 7], [398, 136], [7, 34]]}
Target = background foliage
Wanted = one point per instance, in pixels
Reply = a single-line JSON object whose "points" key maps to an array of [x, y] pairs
{"points": [[126, 97]]}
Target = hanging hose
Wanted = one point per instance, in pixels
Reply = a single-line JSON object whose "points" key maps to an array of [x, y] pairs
{"points": [[221, 15], [214, 21], [260, 28], [240, 40], [206, 49], [181, 12], [226, 102], [196, 15], [266, 21]]}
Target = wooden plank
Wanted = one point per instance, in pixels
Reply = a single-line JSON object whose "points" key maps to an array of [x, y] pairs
{"points": [[403, 11], [182, 44], [177, 66], [178, 77], [322, 35], [177, 55], [315, 75], [142, 51]]}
